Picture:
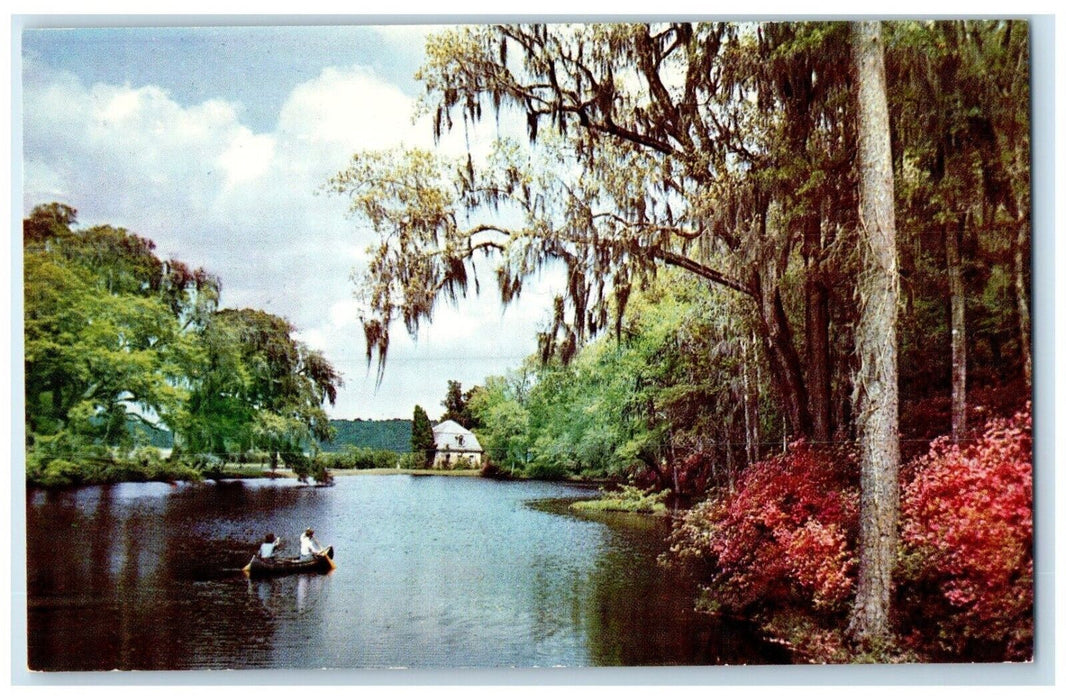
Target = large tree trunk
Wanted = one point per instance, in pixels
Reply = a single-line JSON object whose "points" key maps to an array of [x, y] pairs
{"points": [[818, 360], [784, 361], [876, 383], [816, 312], [958, 331]]}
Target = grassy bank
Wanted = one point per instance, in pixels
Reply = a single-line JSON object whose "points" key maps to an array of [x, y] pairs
{"points": [[627, 499], [60, 473]]}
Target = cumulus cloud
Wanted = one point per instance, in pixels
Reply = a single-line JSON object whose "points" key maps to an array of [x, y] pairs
{"points": [[348, 109], [246, 206]]}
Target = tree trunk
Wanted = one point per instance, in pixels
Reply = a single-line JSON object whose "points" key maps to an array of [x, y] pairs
{"points": [[957, 296], [784, 361], [818, 360], [1021, 296], [876, 383], [817, 321], [750, 430]]}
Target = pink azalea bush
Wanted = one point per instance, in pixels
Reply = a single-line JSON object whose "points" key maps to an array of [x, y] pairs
{"points": [[785, 539], [966, 536], [785, 534]]}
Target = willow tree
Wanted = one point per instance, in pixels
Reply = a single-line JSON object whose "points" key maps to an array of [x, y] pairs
{"points": [[258, 387]]}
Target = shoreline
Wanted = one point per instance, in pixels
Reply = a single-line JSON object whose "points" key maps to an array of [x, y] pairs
{"points": [[258, 472], [411, 472]]}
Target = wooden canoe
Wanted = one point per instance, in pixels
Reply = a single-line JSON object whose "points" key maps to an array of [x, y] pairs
{"points": [[283, 566]]}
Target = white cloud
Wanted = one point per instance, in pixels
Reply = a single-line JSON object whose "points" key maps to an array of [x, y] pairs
{"points": [[247, 158], [347, 109]]}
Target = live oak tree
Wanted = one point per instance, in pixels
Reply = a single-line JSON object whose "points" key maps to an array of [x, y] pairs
{"points": [[108, 330], [664, 145], [115, 336]]}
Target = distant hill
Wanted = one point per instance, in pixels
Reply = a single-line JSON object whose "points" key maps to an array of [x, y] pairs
{"points": [[392, 434]]}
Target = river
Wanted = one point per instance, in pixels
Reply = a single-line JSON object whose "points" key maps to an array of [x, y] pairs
{"points": [[432, 572]]}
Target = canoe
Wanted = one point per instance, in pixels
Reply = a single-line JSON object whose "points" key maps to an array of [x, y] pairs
{"points": [[282, 566]]}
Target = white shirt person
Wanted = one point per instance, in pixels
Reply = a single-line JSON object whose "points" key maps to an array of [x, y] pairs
{"points": [[308, 546], [268, 547]]}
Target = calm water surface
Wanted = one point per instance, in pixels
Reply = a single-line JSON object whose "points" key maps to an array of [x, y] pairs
{"points": [[432, 572]]}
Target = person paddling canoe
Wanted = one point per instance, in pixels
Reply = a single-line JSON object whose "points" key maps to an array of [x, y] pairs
{"points": [[309, 546], [269, 546]]}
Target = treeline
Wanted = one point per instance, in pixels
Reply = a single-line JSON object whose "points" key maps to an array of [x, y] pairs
{"points": [[122, 348]]}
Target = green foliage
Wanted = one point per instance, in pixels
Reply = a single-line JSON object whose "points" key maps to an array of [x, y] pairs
{"points": [[456, 406], [504, 434], [101, 466], [423, 446], [358, 458], [959, 93], [412, 461], [626, 499], [108, 329], [661, 403], [124, 349], [259, 389]]}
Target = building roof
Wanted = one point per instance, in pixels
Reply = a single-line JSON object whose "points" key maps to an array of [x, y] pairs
{"points": [[449, 436]]}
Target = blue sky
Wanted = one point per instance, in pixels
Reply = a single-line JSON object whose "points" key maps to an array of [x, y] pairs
{"points": [[255, 66], [214, 141]]}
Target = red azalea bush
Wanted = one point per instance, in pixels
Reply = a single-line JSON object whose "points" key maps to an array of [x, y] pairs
{"points": [[786, 534], [966, 535]]}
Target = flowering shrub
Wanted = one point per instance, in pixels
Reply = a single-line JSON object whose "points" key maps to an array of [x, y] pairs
{"points": [[966, 535], [785, 534]]}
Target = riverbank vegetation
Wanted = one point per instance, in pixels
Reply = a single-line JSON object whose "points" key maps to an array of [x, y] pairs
{"points": [[794, 255], [627, 499], [781, 548], [121, 346]]}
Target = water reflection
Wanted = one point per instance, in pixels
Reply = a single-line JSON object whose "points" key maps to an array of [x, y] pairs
{"points": [[432, 572], [286, 595]]}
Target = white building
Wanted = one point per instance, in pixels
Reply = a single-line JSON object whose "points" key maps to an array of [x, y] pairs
{"points": [[457, 447]]}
